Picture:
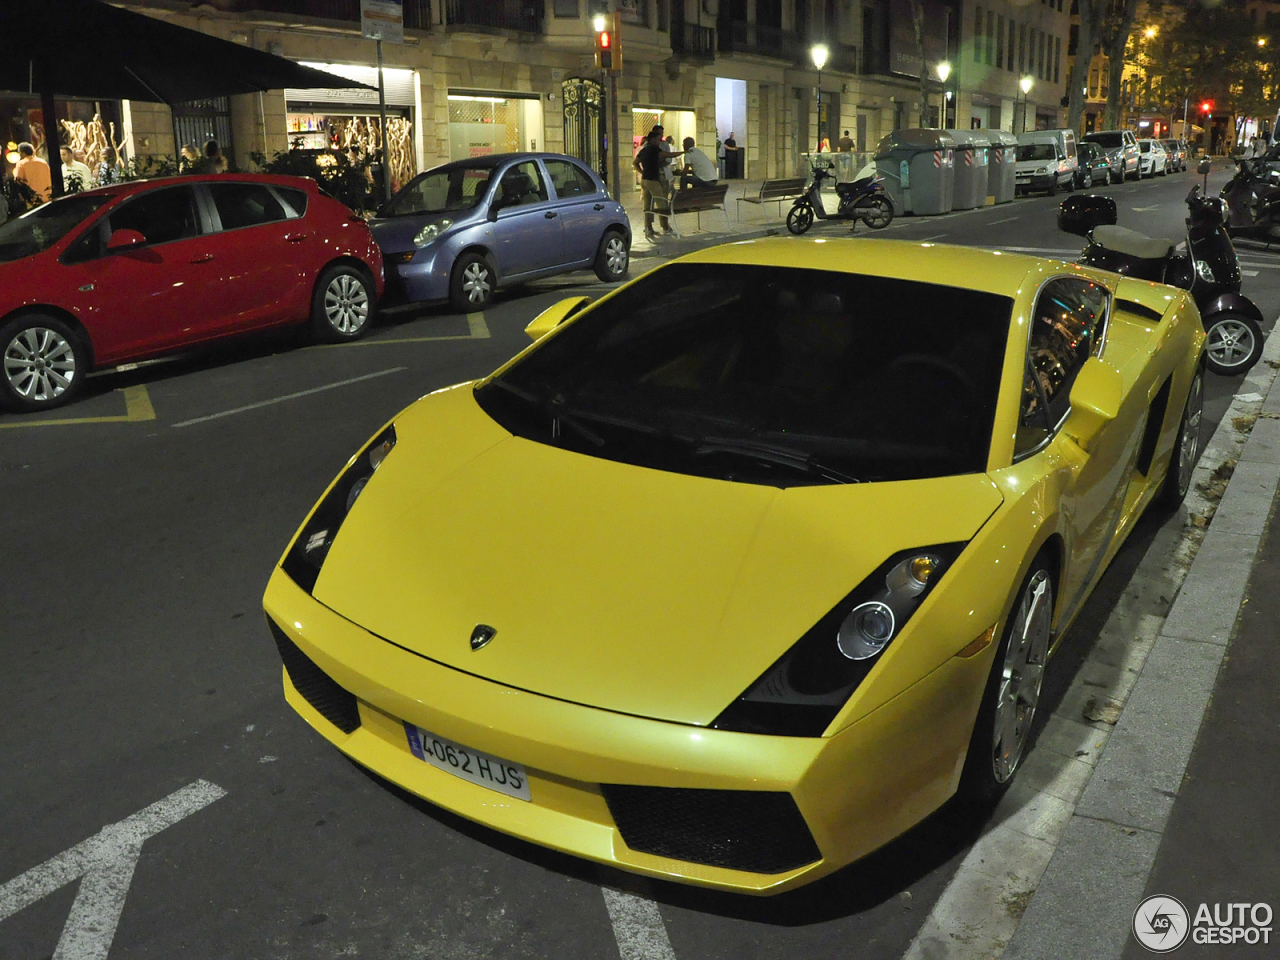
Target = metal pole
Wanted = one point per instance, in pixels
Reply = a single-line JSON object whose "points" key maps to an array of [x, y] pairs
{"points": [[614, 145], [1185, 104], [47, 111], [382, 109], [819, 117]]}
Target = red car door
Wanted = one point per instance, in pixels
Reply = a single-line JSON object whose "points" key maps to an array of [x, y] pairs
{"points": [[148, 297], [264, 254]]}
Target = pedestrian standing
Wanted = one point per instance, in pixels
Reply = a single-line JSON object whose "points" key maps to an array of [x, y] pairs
{"points": [[33, 172], [648, 163], [76, 176]]}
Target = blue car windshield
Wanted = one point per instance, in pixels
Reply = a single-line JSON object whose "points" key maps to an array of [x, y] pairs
{"points": [[446, 190], [41, 228], [726, 369]]}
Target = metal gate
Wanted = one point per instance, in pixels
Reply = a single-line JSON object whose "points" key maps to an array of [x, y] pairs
{"points": [[196, 122], [584, 130]]}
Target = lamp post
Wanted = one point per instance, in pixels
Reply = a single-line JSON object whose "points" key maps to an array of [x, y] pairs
{"points": [[1025, 85], [944, 71], [819, 53]]}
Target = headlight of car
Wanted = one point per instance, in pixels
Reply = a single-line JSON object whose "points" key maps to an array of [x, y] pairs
{"points": [[430, 232], [306, 555], [1043, 170], [803, 691], [1205, 272]]}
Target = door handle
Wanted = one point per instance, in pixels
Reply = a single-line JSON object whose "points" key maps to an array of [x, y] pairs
{"points": [[550, 214], [598, 206], [202, 258], [295, 237]]}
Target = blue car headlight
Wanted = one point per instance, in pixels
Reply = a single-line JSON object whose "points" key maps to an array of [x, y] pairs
{"points": [[431, 232], [307, 552], [803, 691]]}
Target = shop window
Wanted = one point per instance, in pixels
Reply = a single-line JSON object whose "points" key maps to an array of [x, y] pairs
{"points": [[161, 216], [245, 205], [569, 179]]}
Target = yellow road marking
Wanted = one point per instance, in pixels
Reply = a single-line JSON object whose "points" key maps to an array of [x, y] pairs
{"points": [[477, 329], [136, 402]]}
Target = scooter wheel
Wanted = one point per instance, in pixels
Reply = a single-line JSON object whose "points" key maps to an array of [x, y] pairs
{"points": [[1234, 343], [877, 213], [799, 220]]}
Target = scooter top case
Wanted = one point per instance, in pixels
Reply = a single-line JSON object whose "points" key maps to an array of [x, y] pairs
{"points": [[1126, 251]]}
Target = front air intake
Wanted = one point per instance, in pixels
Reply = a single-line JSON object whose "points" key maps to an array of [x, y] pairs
{"points": [[330, 700]]}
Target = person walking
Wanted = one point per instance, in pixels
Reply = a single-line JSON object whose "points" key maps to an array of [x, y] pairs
{"points": [[845, 144], [648, 163], [33, 172]]}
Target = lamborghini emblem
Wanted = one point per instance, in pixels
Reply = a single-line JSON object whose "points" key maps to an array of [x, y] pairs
{"points": [[481, 635]]}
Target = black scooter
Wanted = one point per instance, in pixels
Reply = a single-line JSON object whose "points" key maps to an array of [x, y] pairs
{"points": [[863, 199], [1208, 268], [1253, 201]]}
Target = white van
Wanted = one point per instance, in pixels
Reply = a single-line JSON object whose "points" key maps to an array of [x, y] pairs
{"points": [[1046, 160]]}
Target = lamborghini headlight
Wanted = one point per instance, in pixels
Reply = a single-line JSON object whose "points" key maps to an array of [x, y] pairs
{"points": [[306, 555], [803, 691], [430, 232]]}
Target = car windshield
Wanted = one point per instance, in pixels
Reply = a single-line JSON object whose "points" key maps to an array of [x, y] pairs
{"points": [[1036, 151], [41, 228], [1109, 140], [446, 190], [770, 375]]}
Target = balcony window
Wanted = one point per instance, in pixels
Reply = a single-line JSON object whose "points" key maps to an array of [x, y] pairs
{"points": [[566, 8]]}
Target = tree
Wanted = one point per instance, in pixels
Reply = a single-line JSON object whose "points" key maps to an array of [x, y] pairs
{"points": [[1114, 37], [1091, 14]]}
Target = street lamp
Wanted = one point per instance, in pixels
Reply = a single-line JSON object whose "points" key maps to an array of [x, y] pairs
{"points": [[1025, 85], [944, 71], [819, 53]]}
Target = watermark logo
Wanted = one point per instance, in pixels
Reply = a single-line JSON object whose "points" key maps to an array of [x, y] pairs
{"points": [[1161, 924]]}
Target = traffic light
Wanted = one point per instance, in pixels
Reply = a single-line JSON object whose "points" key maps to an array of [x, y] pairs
{"points": [[1206, 106], [609, 46]]}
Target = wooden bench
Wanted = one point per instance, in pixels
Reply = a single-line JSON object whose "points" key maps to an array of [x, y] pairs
{"points": [[775, 191], [696, 200]]}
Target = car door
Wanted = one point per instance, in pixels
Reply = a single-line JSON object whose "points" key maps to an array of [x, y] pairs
{"points": [[526, 224], [263, 255], [151, 296], [580, 204], [1069, 327]]}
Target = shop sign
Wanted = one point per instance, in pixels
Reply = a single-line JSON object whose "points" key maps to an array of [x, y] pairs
{"points": [[382, 20]]}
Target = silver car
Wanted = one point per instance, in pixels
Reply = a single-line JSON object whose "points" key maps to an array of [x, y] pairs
{"points": [[460, 231], [1121, 147]]}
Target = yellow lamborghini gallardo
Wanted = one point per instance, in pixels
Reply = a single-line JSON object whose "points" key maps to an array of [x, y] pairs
{"points": [[738, 573]]}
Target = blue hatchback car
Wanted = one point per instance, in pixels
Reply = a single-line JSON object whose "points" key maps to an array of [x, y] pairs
{"points": [[462, 230]]}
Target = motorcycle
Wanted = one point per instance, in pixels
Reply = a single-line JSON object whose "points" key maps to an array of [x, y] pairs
{"points": [[1253, 201], [864, 199], [1208, 268]]}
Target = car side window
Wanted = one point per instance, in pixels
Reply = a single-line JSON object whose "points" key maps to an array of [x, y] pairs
{"points": [[1068, 325], [520, 185], [569, 179], [294, 198], [161, 216], [245, 205]]}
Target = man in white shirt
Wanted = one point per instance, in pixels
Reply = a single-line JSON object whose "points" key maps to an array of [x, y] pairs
{"points": [[73, 168], [700, 170]]}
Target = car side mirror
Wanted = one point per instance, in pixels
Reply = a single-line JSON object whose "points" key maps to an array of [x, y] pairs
{"points": [[124, 239], [1095, 401], [1203, 166], [554, 315]]}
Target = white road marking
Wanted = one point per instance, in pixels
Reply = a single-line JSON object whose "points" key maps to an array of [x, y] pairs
{"points": [[637, 926], [104, 864], [937, 237], [291, 396], [1261, 266], [992, 223], [1249, 273]]}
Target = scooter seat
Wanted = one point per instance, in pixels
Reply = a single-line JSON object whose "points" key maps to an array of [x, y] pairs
{"points": [[1131, 243]]}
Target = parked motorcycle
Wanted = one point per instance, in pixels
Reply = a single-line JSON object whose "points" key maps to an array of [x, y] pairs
{"points": [[864, 199], [1208, 268], [1253, 201]]}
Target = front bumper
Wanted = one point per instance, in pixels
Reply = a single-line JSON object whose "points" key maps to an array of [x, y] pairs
{"points": [[1037, 182], [425, 277], [855, 790]]}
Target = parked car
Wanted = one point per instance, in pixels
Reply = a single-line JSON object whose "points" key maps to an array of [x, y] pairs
{"points": [[1122, 152], [719, 584], [1153, 158], [1041, 165], [1094, 167], [139, 269], [461, 231], [1177, 155]]}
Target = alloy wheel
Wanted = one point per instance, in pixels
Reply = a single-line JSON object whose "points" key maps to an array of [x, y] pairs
{"points": [[1022, 675], [1230, 342], [615, 255], [879, 213], [40, 364], [346, 304], [476, 283], [1189, 450]]}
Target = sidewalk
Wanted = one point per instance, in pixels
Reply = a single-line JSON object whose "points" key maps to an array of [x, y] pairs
{"points": [[757, 220]]}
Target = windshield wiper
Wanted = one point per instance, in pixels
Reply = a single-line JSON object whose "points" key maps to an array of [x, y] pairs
{"points": [[769, 453], [554, 409]]}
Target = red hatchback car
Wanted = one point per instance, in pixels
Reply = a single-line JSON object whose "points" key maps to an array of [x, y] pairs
{"points": [[141, 269]]}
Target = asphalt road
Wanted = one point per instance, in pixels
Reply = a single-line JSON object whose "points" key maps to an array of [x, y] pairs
{"points": [[140, 527]]}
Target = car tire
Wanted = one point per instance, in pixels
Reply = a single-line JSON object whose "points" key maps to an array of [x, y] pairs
{"points": [[613, 257], [1088, 180], [1111, 176], [800, 219], [343, 304], [1052, 191], [1233, 345], [473, 283], [1012, 693], [1186, 448], [43, 362]]}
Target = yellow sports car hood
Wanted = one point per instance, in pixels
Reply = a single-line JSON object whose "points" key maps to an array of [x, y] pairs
{"points": [[621, 587]]}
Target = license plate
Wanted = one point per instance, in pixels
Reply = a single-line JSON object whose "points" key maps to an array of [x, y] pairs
{"points": [[481, 768]]}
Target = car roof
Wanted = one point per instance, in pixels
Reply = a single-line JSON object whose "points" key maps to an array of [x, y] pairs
{"points": [[968, 268], [498, 159], [130, 187]]}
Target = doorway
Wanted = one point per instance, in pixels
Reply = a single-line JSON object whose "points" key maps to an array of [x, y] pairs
{"points": [[731, 118], [583, 127]]}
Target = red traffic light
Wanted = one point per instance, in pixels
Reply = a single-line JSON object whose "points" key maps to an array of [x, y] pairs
{"points": [[1206, 106]]}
